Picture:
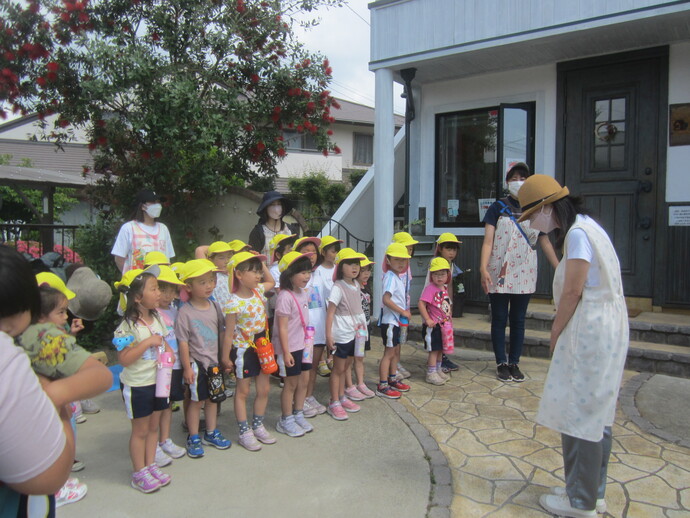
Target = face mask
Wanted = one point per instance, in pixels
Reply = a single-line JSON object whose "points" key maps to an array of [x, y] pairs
{"points": [[514, 187], [543, 220], [154, 210], [274, 211]]}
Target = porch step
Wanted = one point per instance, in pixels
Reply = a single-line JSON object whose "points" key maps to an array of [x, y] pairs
{"points": [[474, 332], [658, 328]]}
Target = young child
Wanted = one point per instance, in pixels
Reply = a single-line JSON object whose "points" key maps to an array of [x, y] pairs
{"points": [[139, 339], [323, 278], [219, 253], [199, 329], [345, 325], [361, 390], [245, 321], [395, 305], [435, 308], [169, 285], [155, 257], [447, 246], [280, 245], [310, 246], [405, 239], [290, 341], [237, 245]]}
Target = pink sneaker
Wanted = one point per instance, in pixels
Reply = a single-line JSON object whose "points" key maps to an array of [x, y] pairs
{"points": [[163, 478], [320, 409], [71, 492], [263, 435], [248, 441], [354, 394], [337, 411], [366, 391], [349, 406], [145, 482], [309, 411]]}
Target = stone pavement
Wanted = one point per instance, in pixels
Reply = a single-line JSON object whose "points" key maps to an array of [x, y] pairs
{"points": [[501, 461]]}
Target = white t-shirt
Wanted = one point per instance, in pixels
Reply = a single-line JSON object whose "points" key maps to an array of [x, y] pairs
{"points": [[394, 285], [123, 242], [31, 433], [344, 326], [579, 247], [319, 286]]}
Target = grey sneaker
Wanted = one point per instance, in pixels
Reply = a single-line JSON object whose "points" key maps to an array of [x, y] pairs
{"points": [[89, 407], [302, 422], [289, 426]]}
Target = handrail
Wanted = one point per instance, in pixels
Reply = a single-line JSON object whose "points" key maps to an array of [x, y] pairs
{"points": [[360, 245], [43, 240]]}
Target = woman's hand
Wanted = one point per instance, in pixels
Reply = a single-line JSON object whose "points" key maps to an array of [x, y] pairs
{"points": [[486, 281]]}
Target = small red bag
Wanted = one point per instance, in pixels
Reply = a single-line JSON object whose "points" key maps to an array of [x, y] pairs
{"points": [[264, 349]]}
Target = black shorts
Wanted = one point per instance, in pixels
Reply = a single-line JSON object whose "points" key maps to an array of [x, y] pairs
{"points": [[177, 385], [320, 345], [298, 368], [433, 339], [367, 344], [390, 335], [142, 401], [198, 391], [246, 362], [345, 350]]}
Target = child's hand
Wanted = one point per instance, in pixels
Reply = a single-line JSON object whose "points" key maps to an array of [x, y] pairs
{"points": [[188, 375], [77, 325], [407, 314], [227, 365], [289, 360], [429, 322], [330, 343]]}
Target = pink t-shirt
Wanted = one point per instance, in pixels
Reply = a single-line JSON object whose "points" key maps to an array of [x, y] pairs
{"points": [[437, 302], [31, 434], [286, 307]]}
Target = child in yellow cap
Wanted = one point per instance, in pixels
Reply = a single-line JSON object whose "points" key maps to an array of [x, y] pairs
{"points": [[405, 239], [365, 271], [435, 308], [220, 253]]}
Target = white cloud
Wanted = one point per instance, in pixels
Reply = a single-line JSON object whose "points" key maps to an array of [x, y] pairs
{"points": [[343, 37]]}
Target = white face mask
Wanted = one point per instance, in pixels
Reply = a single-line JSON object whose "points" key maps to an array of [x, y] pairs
{"points": [[274, 211], [543, 220], [154, 210], [514, 187]]}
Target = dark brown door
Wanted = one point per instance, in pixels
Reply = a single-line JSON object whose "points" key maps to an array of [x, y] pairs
{"points": [[609, 150]]}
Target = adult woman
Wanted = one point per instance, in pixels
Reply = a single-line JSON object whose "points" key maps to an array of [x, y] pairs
{"points": [[273, 207], [143, 234], [508, 268], [589, 341]]}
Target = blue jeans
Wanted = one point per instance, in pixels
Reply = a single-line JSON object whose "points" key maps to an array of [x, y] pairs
{"points": [[499, 316]]}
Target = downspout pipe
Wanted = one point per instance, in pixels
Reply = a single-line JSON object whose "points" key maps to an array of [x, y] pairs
{"points": [[407, 75]]}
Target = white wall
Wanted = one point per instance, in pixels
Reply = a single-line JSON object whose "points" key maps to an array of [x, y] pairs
{"points": [[678, 157], [300, 163], [534, 84]]}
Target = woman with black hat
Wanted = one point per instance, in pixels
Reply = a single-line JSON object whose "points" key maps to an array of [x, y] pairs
{"points": [[272, 209], [508, 268], [143, 234], [589, 342]]}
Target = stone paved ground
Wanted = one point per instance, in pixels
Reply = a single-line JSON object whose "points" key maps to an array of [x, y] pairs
{"points": [[501, 461]]}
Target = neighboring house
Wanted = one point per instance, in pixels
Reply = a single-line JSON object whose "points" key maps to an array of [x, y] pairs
{"points": [[353, 133], [581, 90]]}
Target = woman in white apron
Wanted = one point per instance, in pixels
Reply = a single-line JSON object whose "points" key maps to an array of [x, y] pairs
{"points": [[589, 342]]}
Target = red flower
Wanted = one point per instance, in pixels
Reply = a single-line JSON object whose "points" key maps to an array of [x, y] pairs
{"points": [[337, 150], [329, 132], [63, 123], [51, 76], [254, 78], [260, 146], [240, 6], [281, 152], [102, 141], [306, 63], [100, 123], [300, 128], [325, 152], [41, 81], [248, 127], [326, 63], [155, 36], [145, 155], [276, 109], [9, 56], [329, 71], [65, 17], [53, 66], [310, 106], [92, 146], [83, 17]]}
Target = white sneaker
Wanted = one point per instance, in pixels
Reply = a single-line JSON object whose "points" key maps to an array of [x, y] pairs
{"points": [[88, 406], [71, 492], [434, 378], [403, 372], [303, 423], [560, 506], [309, 411], [320, 409], [162, 459], [171, 449], [289, 427], [560, 491]]}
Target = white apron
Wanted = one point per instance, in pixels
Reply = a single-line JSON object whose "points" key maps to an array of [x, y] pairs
{"points": [[584, 377]]}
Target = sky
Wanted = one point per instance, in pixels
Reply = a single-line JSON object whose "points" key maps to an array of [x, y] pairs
{"points": [[343, 37]]}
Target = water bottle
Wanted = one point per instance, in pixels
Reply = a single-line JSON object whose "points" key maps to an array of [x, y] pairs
{"points": [[308, 351], [448, 338], [404, 322], [164, 374]]}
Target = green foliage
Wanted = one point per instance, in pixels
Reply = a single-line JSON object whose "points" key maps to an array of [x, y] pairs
{"points": [[263, 184], [320, 196], [356, 176]]}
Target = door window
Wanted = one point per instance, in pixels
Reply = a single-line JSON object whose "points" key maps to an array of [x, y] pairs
{"points": [[609, 134]]}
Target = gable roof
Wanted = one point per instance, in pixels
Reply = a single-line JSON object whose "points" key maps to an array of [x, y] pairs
{"points": [[356, 113]]}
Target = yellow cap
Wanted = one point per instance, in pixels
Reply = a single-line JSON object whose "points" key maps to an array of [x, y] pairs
{"points": [[447, 237], [237, 245], [290, 258], [197, 268], [218, 247], [55, 282], [397, 250], [349, 253], [236, 260], [328, 240], [438, 264], [274, 243], [303, 240], [404, 238], [168, 275], [129, 277], [155, 258], [177, 267], [366, 262]]}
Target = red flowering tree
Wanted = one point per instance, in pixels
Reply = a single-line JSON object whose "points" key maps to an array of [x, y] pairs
{"points": [[186, 97]]}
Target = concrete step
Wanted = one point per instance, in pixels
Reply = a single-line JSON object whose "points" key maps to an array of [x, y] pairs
{"points": [[658, 328], [474, 331]]}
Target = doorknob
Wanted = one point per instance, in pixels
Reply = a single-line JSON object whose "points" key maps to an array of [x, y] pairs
{"points": [[646, 187]]}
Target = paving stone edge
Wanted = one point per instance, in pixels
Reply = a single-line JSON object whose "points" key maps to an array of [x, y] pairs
{"points": [[441, 493]]}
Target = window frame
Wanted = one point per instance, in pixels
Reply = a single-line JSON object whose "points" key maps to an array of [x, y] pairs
{"points": [[354, 148]]}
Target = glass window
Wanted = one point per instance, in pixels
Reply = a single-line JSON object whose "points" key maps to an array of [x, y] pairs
{"points": [[474, 149], [363, 149], [609, 134], [295, 141]]}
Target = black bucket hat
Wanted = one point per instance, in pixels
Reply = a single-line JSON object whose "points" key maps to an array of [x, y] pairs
{"points": [[270, 197]]}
